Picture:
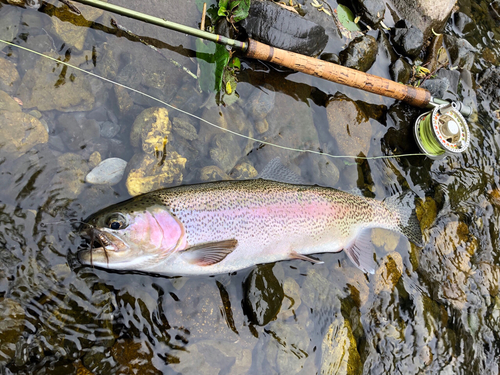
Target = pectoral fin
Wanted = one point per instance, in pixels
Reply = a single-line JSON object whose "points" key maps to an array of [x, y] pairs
{"points": [[361, 252], [295, 255], [209, 253]]}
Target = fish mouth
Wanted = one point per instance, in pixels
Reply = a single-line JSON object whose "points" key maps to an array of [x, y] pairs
{"points": [[101, 245]]}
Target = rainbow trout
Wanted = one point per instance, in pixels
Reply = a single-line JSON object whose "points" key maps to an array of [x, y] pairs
{"points": [[226, 226]]}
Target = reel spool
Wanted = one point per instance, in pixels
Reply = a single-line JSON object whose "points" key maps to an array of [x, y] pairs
{"points": [[441, 132]]}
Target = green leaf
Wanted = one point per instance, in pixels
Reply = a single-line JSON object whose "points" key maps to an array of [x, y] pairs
{"points": [[346, 18], [240, 10], [205, 55], [223, 7], [221, 60], [212, 59], [235, 63]]}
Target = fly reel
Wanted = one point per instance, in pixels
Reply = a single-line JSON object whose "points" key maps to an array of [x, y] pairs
{"points": [[442, 131]]}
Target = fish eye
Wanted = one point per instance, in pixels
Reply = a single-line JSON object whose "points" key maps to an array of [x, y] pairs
{"points": [[116, 221]]}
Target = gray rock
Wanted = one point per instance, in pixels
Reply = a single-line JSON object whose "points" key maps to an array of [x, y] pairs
{"points": [[360, 54], [76, 131], [107, 172], [424, 14], [9, 77], [225, 151], [261, 102], [10, 20], [408, 39], [109, 129], [349, 126], [463, 22], [436, 86], [400, 71], [182, 126], [453, 77], [462, 53], [372, 11]]}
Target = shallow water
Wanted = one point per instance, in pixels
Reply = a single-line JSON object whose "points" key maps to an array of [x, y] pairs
{"points": [[434, 309]]}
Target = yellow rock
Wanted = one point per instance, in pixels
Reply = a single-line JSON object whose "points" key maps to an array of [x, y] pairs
{"points": [[389, 273], [244, 171], [213, 173], [339, 352], [151, 130], [150, 173], [426, 212], [385, 239], [94, 159]]}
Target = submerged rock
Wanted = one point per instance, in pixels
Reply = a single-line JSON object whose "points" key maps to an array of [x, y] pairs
{"points": [[8, 104], [10, 20], [360, 54], [20, 132], [408, 39], [73, 28], [424, 14], [263, 295], [213, 173], [108, 172], [287, 351], [244, 171], [9, 77], [151, 130], [46, 88], [261, 102], [339, 353], [389, 273], [225, 151], [400, 71], [69, 180], [11, 327], [462, 53], [349, 125], [372, 11], [148, 173], [269, 23], [76, 131], [184, 128]]}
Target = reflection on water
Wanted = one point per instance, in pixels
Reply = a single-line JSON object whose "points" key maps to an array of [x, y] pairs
{"points": [[434, 309]]}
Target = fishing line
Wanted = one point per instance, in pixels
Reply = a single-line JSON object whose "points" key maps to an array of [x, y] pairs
{"points": [[206, 121]]}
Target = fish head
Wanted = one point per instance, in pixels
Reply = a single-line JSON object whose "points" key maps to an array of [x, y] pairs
{"points": [[132, 235]]}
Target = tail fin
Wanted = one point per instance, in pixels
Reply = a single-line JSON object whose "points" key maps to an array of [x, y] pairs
{"points": [[404, 205]]}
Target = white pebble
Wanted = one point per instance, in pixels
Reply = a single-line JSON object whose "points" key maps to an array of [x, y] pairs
{"points": [[108, 172]]}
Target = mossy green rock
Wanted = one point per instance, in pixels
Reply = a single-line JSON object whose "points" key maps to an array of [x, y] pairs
{"points": [[339, 350], [11, 326]]}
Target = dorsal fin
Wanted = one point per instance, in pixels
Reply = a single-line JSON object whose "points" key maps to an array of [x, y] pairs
{"points": [[276, 171]]}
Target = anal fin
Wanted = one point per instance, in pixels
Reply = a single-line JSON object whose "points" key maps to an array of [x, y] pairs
{"points": [[295, 255], [209, 253], [361, 252]]}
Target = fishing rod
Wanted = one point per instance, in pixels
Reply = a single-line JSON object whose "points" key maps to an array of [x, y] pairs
{"points": [[442, 131]]}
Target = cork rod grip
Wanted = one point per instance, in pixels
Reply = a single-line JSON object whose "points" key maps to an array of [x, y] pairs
{"points": [[340, 74]]}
